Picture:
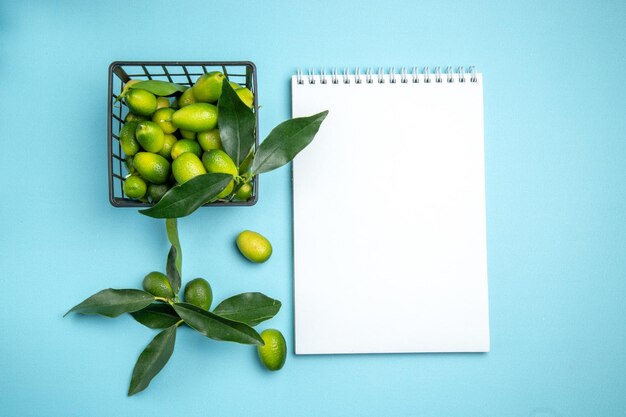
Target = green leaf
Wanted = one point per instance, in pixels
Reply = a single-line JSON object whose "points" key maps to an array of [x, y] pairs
{"points": [[159, 88], [285, 141], [112, 303], [173, 276], [250, 308], [236, 122], [216, 327], [184, 199], [171, 226], [152, 360], [157, 316]]}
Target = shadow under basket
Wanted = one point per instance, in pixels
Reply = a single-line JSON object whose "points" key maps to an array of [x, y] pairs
{"points": [[184, 73]]}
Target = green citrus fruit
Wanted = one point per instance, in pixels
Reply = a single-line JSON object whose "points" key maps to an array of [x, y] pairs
{"points": [[162, 102], [187, 134], [141, 102], [274, 352], [152, 167], [163, 117], [217, 160], [254, 246], [168, 143], [135, 187], [244, 192], [208, 88], [150, 136], [132, 117], [157, 284], [198, 292], [210, 140], [187, 166], [234, 85], [128, 142], [196, 117], [186, 98], [186, 145], [246, 96], [157, 191]]}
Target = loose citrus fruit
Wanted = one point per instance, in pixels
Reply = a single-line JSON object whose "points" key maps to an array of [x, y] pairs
{"points": [[254, 246], [157, 284], [274, 352], [198, 292]]}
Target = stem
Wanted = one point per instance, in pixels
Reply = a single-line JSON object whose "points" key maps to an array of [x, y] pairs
{"points": [[179, 322], [162, 299]]}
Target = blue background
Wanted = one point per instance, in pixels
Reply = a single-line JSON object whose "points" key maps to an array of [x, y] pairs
{"points": [[555, 136]]}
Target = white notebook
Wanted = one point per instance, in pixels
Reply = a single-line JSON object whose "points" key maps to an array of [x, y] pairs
{"points": [[389, 214]]}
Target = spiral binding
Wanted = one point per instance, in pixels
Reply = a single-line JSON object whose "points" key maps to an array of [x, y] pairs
{"points": [[403, 77]]}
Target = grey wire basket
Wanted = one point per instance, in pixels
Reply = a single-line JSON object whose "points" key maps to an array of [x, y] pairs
{"points": [[181, 72]]}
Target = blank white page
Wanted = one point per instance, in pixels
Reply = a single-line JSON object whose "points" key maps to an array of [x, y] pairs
{"points": [[389, 218]]}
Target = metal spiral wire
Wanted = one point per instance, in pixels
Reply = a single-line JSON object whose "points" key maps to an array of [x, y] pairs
{"points": [[380, 76]]}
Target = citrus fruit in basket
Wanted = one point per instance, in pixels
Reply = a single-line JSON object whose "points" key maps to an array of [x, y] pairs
{"points": [[186, 167], [150, 136], [208, 88], [186, 145], [187, 134], [141, 102], [196, 117], [274, 352], [152, 167], [254, 246], [162, 102], [157, 284], [198, 292], [210, 139], [168, 143], [135, 187], [218, 161], [244, 192], [186, 98], [246, 96], [163, 118], [132, 117], [128, 142], [157, 191]]}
